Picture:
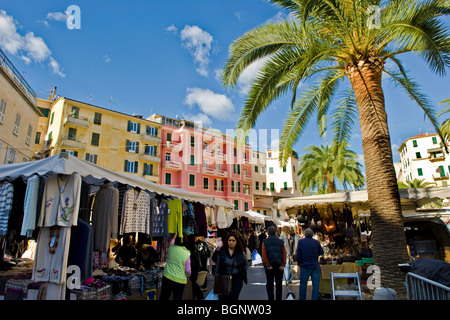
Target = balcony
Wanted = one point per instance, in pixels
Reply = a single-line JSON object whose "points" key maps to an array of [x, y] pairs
{"points": [[172, 165], [438, 176], [172, 144], [77, 121], [151, 138], [73, 143], [149, 157]]}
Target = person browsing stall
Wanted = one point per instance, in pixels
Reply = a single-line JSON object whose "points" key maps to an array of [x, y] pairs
{"points": [[274, 259]]}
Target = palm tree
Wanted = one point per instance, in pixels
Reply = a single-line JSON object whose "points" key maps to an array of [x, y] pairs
{"points": [[321, 166], [415, 184], [445, 125], [336, 43]]}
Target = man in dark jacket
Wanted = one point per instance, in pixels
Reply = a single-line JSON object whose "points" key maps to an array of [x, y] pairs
{"points": [[274, 259], [308, 252]]}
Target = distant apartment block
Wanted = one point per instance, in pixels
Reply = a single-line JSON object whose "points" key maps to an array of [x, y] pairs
{"points": [[113, 140], [19, 115], [424, 157], [205, 161]]}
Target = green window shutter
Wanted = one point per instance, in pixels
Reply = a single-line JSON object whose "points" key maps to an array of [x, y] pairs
{"points": [[414, 143], [419, 172], [136, 167], [127, 145], [257, 185], [125, 168], [192, 160], [236, 204], [137, 147], [245, 206], [434, 140], [442, 171], [215, 184], [129, 126], [138, 128]]}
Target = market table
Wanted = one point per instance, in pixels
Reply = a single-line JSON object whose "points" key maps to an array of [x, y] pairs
{"points": [[326, 269]]}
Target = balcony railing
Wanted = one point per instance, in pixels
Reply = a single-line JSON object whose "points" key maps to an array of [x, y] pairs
{"points": [[172, 144], [72, 142], [77, 121], [172, 165], [150, 157], [151, 138], [438, 176]]}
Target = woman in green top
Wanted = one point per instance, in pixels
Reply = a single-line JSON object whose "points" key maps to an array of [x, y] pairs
{"points": [[177, 270]]}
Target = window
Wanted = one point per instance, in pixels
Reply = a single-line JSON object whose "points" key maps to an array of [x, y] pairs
{"points": [[168, 179], [419, 172], [263, 170], [131, 166], [236, 204], [2, 110], [75, 112], [256, 185], [256, 168], [30, 131], [192, 141], [37, 139], [167, 157], [148, 169], [95, 141], [51, 117], [284, 169], [285, 186], [72, 135], [17, 124], [71, 152], [150, 150], [232, 186], [97, 118], [414, 143], [169, 136], [205, 183], [434, 140], [10, 155], [133, 127], [245, 206], [272, 186], [418, 155], [264, 186], [91, 158], [218, 185], [238, 187], [192, 162], [237, 168], [192, 180], [442, 171], [152, 131], [247, 189], [270, 169], [132, 146]]}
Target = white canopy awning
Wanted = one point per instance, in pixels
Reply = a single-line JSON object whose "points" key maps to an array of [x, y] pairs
{"points": [[410, 198], [94, 174]]}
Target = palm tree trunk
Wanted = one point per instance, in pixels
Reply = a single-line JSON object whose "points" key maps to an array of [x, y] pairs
{"points": [[389, 241], [330, 184]]}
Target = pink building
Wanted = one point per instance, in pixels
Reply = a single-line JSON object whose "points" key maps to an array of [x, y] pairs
{"points": [[204, 161]]}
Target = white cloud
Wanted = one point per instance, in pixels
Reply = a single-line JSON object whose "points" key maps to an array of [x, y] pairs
{"points": [[57, 16], [210, 103], [29, 47], [280, 16], [199, 44], [172, 29], [106, 58], [248, 75], [200, 118]]}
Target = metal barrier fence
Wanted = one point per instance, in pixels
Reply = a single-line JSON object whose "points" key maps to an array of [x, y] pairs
{"points": [[420, 288]]}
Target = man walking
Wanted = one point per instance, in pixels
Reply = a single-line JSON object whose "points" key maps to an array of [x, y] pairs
{"points": [[286, 237], [308, 252], [274, 259]]}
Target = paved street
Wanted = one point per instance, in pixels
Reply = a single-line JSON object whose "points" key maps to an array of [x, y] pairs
{"points": [[256, 286]]}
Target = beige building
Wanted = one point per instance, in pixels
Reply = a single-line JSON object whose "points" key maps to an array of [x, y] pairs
{"points": [[113, 140], [18, 115]]}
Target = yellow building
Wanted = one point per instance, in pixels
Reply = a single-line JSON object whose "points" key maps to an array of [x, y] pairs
{"points": [[110, 139], [18, 115]]}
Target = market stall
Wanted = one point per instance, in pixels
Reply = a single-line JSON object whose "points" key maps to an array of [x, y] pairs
{"points": [[341, 222], [62, 212]]}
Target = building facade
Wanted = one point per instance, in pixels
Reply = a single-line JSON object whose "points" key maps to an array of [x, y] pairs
{"points": [[113, 140], [204, 161], [424, 157], [19, 115], [272, 182]]}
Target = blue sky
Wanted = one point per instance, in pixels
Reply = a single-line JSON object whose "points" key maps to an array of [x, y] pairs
{"points": [[163, 57]]}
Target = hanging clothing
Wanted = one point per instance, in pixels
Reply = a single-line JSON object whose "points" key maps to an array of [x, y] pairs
{"points": [[189, 226], [105, 216], [61, 201], [136, 212], [81, 248], [200, 219], [158, 217], [6, 200], [51, 255], [30, 206], [175, 218]]}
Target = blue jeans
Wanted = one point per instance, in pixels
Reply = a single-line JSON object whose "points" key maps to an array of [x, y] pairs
{"points": [[305, 273], [287, 270]]}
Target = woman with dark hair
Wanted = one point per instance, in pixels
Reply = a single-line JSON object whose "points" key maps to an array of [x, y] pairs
{"points": [[231, 259]]}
